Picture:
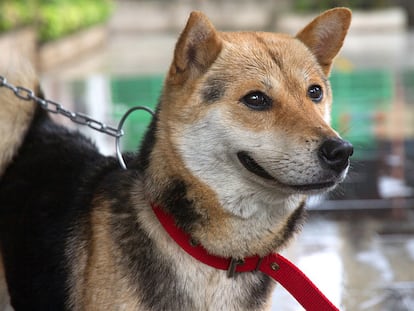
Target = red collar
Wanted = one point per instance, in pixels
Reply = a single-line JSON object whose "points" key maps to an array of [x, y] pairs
{"points": [[274, 265]]}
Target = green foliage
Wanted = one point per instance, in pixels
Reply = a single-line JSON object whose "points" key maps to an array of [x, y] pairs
{"points": [[14, 13], [60, 17], [54, 18]]}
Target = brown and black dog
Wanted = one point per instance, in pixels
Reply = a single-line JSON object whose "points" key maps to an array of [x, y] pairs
{"points": [[240, 137]]}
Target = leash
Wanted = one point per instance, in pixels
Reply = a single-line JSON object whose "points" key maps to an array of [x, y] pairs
{"points": [[76, 117], [274, 265]]}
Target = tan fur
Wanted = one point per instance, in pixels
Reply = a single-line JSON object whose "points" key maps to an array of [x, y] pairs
{"points": [[15, 114], [100, 283]]}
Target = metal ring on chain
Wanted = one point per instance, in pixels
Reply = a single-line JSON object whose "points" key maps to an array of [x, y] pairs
{"points": [[120, 126]]}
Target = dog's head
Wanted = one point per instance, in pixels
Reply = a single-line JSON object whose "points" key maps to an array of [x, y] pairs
{"points": [[249, 112]]}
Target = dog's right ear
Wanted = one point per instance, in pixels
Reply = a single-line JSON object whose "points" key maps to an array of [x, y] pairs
{"points": [[325, 35], [197, 48]]}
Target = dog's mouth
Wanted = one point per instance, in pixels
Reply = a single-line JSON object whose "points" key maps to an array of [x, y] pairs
{"points": [[252, 166], [314, 187]]}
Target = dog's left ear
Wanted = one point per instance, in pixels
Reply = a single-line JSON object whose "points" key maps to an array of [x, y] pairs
{"points": [[325, 35], [197, 48]]}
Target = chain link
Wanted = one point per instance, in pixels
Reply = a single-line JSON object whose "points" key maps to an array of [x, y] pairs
{"points": [[76, 117], [56, 108]]}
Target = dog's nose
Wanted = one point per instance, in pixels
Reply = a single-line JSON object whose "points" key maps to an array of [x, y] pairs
{"points": [[334, 153]]}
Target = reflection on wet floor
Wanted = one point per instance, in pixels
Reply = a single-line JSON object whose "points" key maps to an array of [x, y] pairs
{"points": [[360, 261]]}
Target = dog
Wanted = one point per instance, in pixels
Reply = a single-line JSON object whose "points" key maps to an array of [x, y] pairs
{"points": [[240, 138]]}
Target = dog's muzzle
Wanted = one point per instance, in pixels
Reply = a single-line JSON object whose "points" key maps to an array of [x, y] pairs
{"points": [[333, 155]]}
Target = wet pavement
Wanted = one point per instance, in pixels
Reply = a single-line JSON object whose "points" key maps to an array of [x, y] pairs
{"points": [[361, 260]]}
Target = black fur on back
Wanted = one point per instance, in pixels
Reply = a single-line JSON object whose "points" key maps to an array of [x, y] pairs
{"points": [[44, 194]]}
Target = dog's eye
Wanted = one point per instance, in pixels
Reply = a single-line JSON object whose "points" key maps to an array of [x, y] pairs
{"points": [[315, 93], [257, 101]]}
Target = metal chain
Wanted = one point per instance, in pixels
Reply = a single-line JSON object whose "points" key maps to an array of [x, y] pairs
{"points": [[76, 117], [56, 108]]}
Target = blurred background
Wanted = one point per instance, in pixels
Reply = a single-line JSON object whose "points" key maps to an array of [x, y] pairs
{"points": [[102, 57]]}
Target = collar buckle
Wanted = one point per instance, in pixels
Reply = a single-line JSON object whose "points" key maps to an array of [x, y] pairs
{"points": [[231, 271], [234, 263]]}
